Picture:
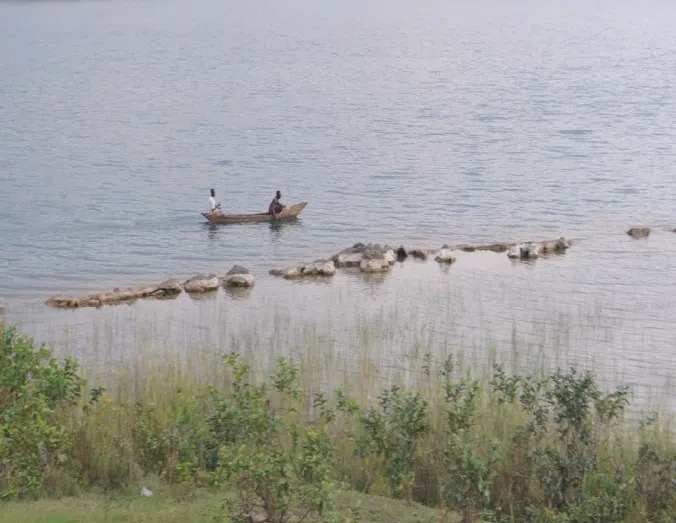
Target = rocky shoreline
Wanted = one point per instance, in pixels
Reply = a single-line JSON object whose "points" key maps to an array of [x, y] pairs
{"points": [[365, 258], [238, 276]]}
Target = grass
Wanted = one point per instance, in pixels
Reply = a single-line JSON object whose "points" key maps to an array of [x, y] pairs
{"points": [[425, 443], [206, 506]]}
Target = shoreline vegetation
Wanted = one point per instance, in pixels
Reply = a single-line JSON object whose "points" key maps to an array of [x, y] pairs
{"points": [[245, 445]]}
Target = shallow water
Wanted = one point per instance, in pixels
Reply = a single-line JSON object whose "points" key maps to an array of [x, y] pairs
{"points": [[417, 123], [483, 308]]}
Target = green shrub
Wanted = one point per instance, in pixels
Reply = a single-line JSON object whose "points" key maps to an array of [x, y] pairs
{"points": [[36, 392], [392, 430], [274, 462]]}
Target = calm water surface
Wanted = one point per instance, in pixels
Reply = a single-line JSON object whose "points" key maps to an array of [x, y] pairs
{"points": [[419, 123]]}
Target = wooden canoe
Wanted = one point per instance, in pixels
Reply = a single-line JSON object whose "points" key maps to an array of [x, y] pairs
{"points": [[289, 212]]}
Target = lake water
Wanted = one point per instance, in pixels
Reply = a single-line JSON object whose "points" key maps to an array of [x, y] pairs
{"points": [[415, 123]]}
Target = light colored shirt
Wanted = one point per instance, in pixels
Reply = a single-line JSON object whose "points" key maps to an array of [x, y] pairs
{"points": [[212, 201]]}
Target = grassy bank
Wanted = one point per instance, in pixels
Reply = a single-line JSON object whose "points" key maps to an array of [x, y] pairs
{"points": [[205, 506], [548, 447]]}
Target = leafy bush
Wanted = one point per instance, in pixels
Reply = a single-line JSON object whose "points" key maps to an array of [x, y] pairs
{"points": [[169, 442], [468, 470], [655, 478], [36, 390], [274, 462], [392, 431], [559, 446]]}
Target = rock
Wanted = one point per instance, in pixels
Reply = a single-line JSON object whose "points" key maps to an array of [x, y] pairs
{"points": [[239, 280], [289, 273], [325, 267], [238, 276], [374, 259], [445, 255], [316, 268], [170, 287], [639, 232], [418, 254], [238, 269], [373, 265], [353, 256], [74, 302], [64, 302], [146, 492], [352, 259], [555, 246], [533, 250], [530, 251], [357, 248], [524, 251], [201, 283], [117, 296], [401, 254], [373, 253]]}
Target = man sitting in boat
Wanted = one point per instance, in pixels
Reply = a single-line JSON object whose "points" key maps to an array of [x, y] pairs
{"points": [[212, 202], [275, 205]]}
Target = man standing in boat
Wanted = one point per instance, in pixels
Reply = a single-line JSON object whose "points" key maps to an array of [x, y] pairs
{"points": [[275, 205], [212, 202]]}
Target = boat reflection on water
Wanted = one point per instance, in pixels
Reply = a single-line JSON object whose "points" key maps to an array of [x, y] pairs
{"points": [[277, 229]]}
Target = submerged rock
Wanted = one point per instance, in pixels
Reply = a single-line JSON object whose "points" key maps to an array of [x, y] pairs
{"points": [[639, 232], [445, 255], [201, 283], [238, 276], [493, 247]]}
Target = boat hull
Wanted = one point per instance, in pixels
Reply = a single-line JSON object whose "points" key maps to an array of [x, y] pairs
{"points": [[288, 213]]}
